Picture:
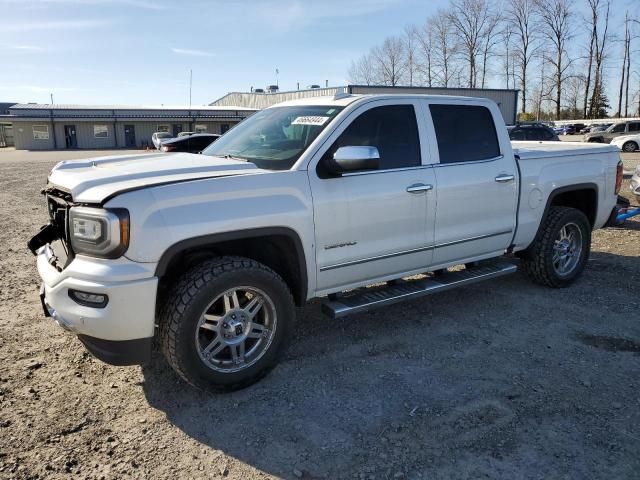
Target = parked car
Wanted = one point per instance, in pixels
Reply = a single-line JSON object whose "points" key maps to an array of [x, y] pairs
{"points": [[194, 143], [158, 137], [596, 127], [185, 134], [616, 130], [307, 199], [573, 129], [627, 143], [532, 131], [565, 130]]}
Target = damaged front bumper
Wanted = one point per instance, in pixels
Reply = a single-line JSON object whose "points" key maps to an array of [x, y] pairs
{"points": [[120, 332]]}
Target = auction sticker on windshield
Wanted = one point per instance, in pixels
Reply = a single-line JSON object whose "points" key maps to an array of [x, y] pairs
{"points": [[310, 120]]}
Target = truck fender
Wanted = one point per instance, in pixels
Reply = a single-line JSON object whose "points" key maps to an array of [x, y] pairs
{"points": [[216, 238]]}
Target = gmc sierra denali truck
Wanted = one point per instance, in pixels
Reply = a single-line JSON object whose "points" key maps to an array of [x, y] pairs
{"points": [[362, 200]]}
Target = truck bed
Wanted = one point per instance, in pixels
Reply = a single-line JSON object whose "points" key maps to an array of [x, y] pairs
{"points": [[549, 166], [527, 150]]}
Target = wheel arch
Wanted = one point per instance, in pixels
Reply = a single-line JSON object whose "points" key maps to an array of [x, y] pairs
{"points": [[635, 142], [279, 248], [581, 196]]}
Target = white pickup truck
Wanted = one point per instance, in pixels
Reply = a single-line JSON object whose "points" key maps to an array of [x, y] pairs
{"points": [[324, 197]]}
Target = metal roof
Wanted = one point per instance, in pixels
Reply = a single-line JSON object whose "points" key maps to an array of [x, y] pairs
{"points": [[47, 106]]}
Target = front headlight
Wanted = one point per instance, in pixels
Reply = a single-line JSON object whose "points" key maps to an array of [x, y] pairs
{"points": [[99, 232]]}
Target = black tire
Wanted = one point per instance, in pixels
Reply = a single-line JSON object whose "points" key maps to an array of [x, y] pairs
{"points": [[189, 298], [537, 261], [629, 147]]}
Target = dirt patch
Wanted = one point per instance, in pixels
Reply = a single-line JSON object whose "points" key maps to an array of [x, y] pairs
{"points": [[491, 381]]}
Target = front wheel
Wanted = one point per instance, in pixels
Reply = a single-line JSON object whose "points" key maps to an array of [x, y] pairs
{"points": [[561, 249], [629, 147], [225, 323]]}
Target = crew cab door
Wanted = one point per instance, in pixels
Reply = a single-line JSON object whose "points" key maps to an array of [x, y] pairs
{"points": [[477, 183], [373, 224]]}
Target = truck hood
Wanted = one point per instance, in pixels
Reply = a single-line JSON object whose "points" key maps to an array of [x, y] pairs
{"points": [[95, 180]]}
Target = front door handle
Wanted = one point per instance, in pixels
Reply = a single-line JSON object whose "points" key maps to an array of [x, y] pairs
{"points": [[419, 187], [504, 178]]}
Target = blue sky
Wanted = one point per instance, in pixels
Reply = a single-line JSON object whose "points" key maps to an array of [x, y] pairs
{"points": [[140, 51]]}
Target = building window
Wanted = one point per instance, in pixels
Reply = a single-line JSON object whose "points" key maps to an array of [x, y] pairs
{"points": [[201, 128], [224, 127], [41, 132], [100, 131], [163, 128]]}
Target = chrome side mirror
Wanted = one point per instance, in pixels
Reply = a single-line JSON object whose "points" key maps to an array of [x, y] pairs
{"points": [[355, 158]]}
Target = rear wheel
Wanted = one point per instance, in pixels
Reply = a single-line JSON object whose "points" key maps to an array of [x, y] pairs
{"points": [[560, 252], [225, 323], [629, 146]]}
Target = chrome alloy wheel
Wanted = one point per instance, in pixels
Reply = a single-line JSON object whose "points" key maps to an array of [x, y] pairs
{"points": [[567, 249], [236, 329]]}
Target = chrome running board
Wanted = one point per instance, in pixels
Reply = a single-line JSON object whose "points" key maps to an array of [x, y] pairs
{"points": [[368, 298]]}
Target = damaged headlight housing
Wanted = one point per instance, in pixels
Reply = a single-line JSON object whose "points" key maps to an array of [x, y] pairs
{"points": [[99, 232]]}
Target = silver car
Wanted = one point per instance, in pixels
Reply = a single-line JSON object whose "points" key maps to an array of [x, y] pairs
{"points": [[615, 130], [158, 137]]}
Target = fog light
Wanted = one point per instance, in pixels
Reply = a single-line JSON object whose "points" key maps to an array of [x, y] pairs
{"points": [[95, 300]]}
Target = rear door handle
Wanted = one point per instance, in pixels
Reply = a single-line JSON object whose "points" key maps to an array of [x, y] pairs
{"points": [[419, 187], [504, 178]]}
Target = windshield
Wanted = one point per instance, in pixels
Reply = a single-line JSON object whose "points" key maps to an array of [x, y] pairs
{"points": [[276, 137]]}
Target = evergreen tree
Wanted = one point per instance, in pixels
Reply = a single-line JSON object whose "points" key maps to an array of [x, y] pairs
{"points": [[599, 103]]}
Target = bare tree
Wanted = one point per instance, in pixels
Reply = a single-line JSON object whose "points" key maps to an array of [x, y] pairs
{"points": [[507, 39], [443, 46], [625, 52], [411, 56], [469, 19], [573, 95], [362, 71], [490, 35], [592, 41], [521, 16], [626, 93], [390, 59], [595, 106], [556, 19], [425, 39]]}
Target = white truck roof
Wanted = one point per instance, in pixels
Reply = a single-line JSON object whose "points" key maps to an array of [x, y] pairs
{"points": [[342, 100]]}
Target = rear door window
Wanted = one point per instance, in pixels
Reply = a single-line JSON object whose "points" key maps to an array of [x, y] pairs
{"points": [[634, 127], [465, 133]]}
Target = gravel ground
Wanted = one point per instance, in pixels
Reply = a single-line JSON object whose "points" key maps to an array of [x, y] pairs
{"points": [[499, 380]]}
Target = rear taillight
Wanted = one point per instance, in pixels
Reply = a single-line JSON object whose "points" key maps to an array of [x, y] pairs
{"points": [[619, 172]]}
